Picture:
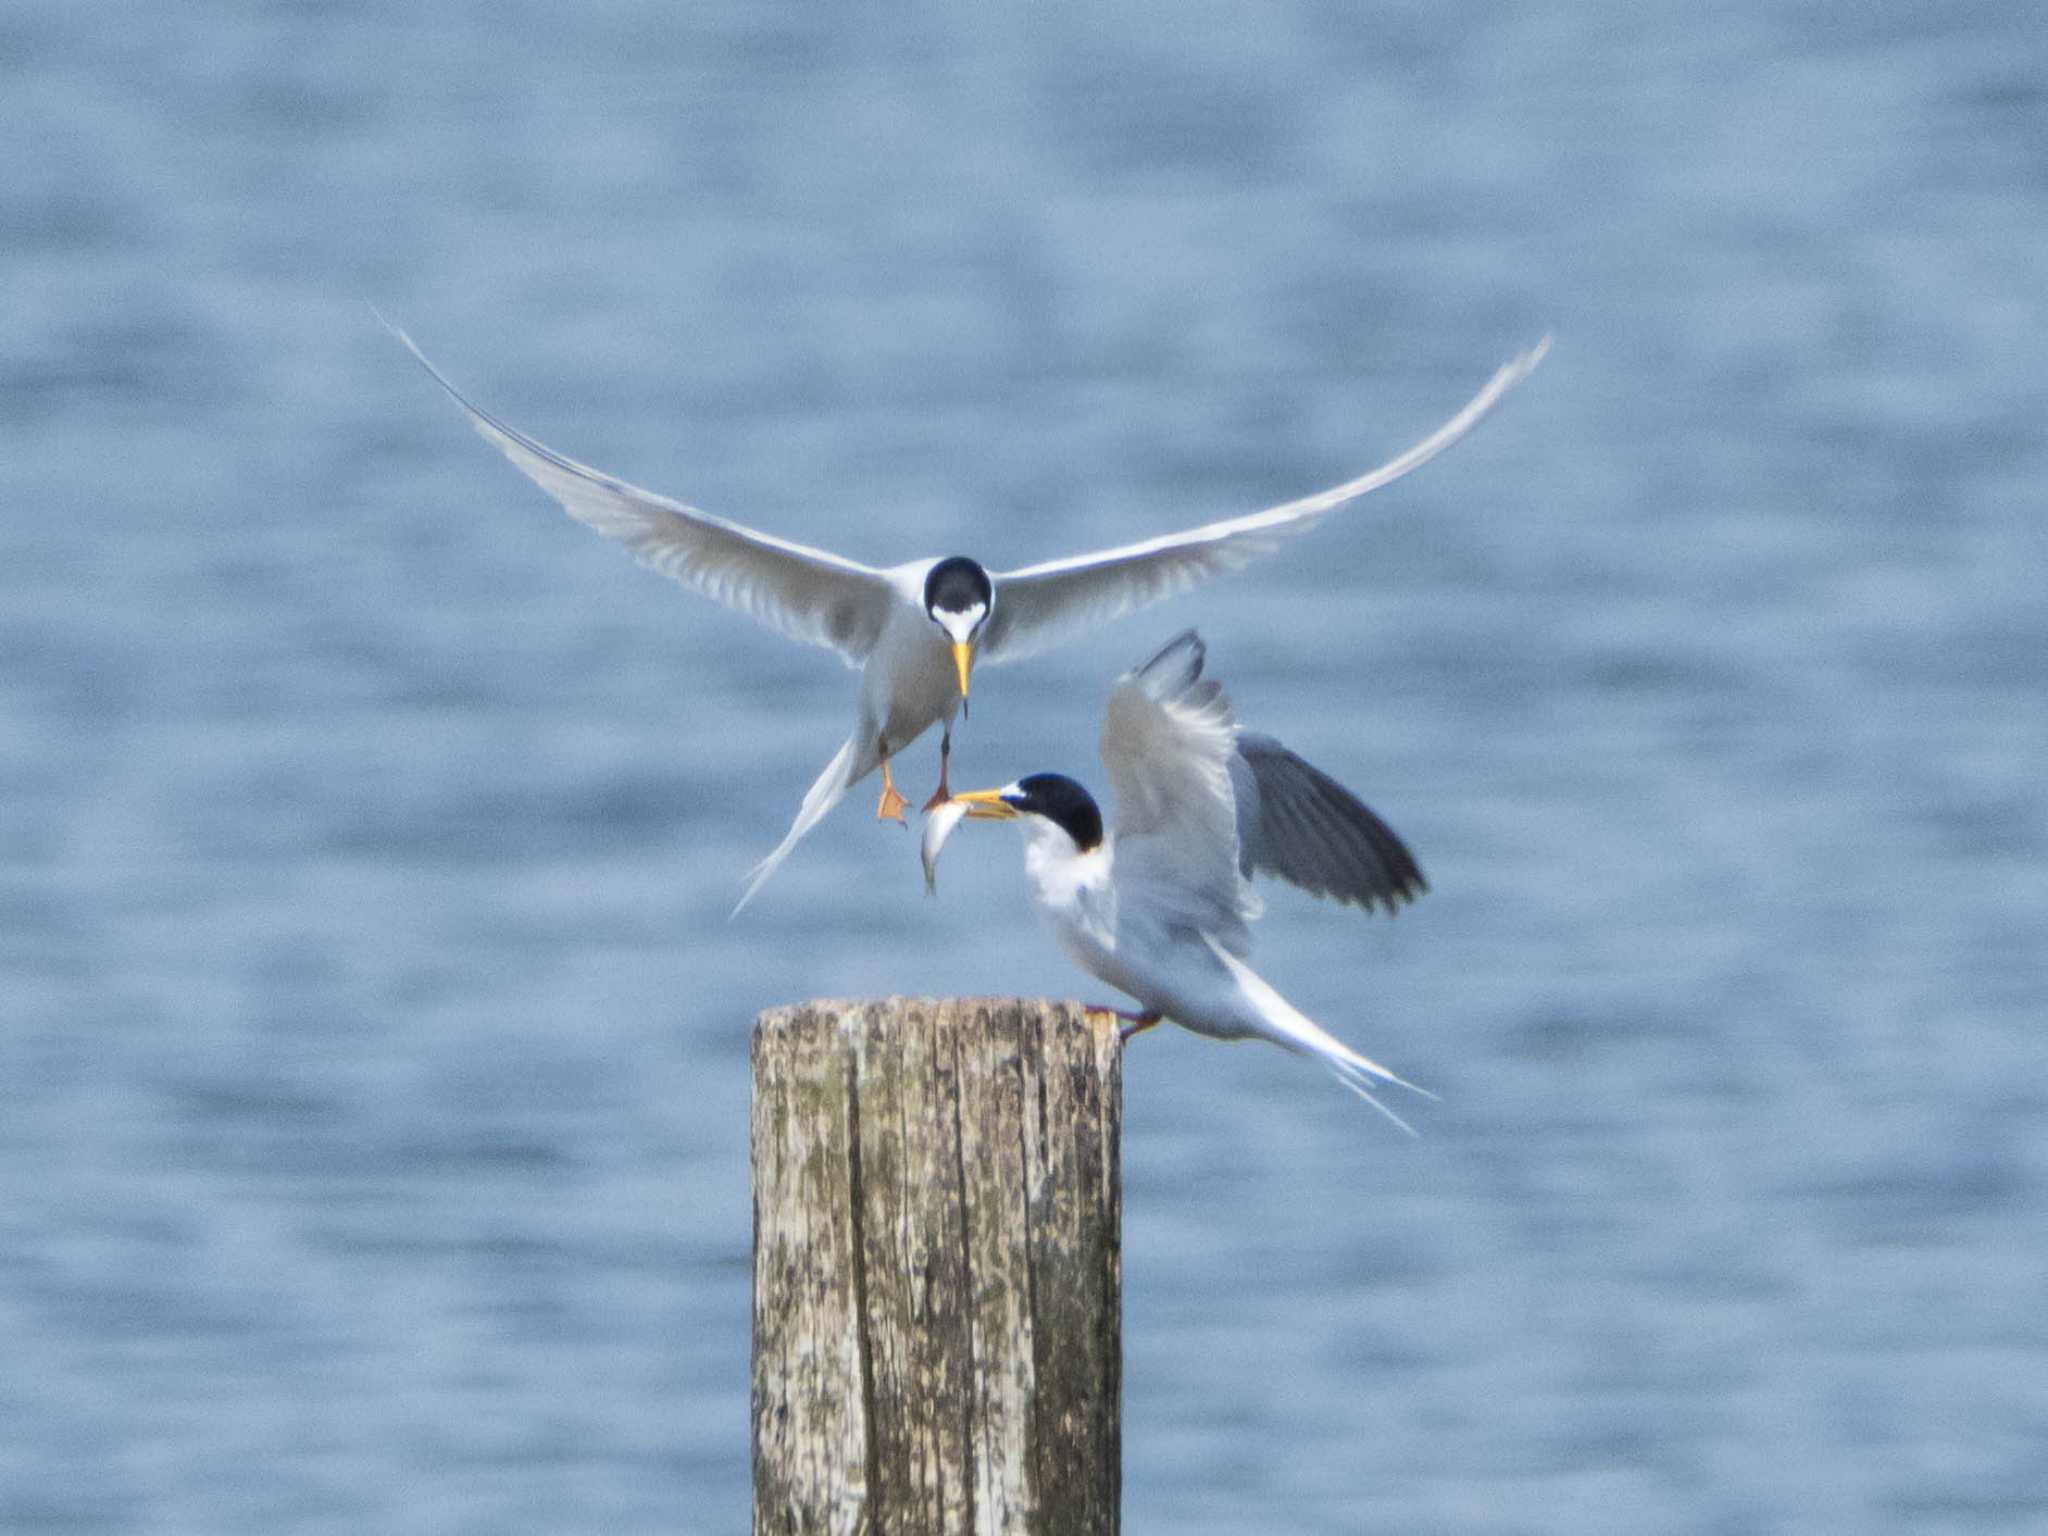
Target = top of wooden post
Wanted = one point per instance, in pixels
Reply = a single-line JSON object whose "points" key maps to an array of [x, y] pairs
{"points": [[979, 1013]]}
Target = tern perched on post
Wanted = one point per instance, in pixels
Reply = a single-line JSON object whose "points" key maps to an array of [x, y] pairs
{"points": [[1160, 907], [916, 630]]}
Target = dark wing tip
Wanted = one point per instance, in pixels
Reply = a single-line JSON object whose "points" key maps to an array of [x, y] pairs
{"points": [[1309, 830], [1176, 665]]}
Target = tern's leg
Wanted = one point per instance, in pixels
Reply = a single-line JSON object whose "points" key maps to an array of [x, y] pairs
{"points": [[1131, 1023], [942, 794], [891, 806]]}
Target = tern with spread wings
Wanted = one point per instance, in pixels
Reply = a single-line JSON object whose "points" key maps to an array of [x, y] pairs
{"points": [[916, 630], [1160, 907]]}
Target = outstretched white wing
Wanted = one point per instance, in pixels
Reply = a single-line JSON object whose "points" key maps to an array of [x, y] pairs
{"points": [[1044, 605], [1167, 740], [807, 594]]}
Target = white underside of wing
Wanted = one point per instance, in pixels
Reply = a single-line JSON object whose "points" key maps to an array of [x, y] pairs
{"points": [[1167, 741], [807, 594], [1040, 606]]}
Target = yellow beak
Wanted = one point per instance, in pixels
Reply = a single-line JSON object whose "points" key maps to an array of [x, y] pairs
{"points": [[963, 660], [987, 805]]}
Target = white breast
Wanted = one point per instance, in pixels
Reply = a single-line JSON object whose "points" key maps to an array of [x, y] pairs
{"points": [[1077, 893]]}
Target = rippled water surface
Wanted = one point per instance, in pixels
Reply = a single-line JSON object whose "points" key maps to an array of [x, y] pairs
{"points": [[372, 1043]]}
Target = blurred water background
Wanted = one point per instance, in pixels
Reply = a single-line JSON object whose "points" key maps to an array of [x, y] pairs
{"points": [[372, 1045]]}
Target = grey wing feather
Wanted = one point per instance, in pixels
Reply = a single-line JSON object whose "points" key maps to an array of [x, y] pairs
{"points": [[1175, 673], [1167, 741], [1297, 823], [1043, 605], [807, 594]]}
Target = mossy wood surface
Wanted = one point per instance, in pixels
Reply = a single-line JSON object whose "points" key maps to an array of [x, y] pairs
{"points": [[937, 1272]]}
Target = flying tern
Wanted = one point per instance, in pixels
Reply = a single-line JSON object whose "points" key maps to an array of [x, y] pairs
{"points": [[1160, 907], [917, 629]]}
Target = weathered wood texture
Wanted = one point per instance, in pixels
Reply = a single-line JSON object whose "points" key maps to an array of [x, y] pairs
{"points": [[937, 1269]]}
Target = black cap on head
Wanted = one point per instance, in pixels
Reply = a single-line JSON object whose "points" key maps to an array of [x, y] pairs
{"points": [[1064, 803], [956, 584]]}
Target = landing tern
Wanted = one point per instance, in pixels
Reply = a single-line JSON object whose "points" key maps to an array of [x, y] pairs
{"points": [[1160, 907]]}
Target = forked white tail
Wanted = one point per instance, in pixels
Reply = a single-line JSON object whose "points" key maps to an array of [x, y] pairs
{"points": [[828, 791], [1288, 1026]]}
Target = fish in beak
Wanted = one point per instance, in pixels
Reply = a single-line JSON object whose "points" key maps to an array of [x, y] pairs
{"points": [[987, 805], [977, 805]]}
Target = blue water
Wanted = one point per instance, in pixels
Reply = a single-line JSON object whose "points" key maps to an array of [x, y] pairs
{"points": [[372, 1052]]}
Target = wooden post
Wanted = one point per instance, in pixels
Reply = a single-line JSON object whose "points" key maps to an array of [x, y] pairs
{"points": [[937, 1269]]}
